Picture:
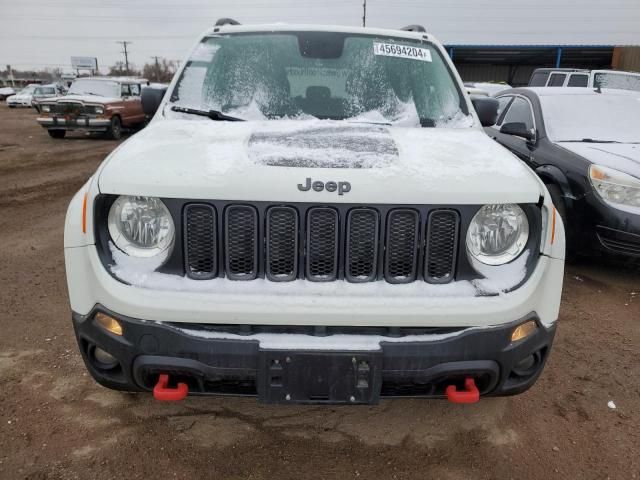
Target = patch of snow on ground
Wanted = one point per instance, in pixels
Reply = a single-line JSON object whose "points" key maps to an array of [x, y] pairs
{"points": [[611, 405]]}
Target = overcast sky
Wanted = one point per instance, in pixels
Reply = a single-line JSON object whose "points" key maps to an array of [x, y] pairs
{"points": [[46, 33]]}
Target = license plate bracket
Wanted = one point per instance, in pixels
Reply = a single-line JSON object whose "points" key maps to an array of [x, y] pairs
{"points": [[326, 377]]}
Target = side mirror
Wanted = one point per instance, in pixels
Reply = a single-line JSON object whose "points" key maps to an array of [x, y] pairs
{"points": [[519, 129], [487, 110], [151, 99]]}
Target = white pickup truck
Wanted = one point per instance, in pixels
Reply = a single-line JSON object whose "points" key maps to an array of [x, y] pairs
{"points": [[315, 215]]}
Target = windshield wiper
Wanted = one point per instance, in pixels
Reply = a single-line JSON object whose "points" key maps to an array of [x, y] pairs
{"points": [[589, 140], [212, 114]]}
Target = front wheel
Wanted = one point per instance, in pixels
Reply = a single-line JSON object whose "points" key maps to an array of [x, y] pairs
{"points": [[57, 133], [115, 129]]}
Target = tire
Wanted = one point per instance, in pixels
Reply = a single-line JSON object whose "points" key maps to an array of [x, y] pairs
{"points": [[561, 208], [57, 133], [115, 129]]}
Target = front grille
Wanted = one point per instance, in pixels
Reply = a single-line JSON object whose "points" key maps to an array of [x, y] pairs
{"points": [[362, 245], [282, 244], [241, 242], [402, 246], [200, 228], [320, 243], [68, 108], [621, 247], [442, 236]]}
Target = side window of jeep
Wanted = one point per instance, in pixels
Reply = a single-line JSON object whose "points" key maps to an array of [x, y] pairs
{"points": [[125, 91], [135, 89]]}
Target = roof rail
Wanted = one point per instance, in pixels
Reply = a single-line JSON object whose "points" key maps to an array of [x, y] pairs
{"points": [[414, 28], [226, 21]]}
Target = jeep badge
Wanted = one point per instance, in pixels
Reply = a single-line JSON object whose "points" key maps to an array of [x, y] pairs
{"points": [[318, 186]]}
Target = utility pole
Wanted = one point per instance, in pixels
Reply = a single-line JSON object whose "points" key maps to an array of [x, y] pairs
{"points": [[364, 13], [157, 72], [126, 54]]}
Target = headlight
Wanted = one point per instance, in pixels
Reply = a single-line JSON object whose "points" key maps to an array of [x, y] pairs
{"points": [[45, 108], [615, 187], [141, 226], [98, 110], [497, 234]]}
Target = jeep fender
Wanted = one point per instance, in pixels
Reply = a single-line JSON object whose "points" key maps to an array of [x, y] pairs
{"points": [[78, 224]]}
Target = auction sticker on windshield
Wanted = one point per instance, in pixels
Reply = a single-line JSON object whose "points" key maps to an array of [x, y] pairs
{"points": [[402, 51]]}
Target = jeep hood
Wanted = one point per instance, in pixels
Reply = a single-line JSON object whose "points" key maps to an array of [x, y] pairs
{"points": [[265, 161]]}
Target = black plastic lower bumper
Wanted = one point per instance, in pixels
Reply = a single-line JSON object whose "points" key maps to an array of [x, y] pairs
{"points": [[238, 366]]}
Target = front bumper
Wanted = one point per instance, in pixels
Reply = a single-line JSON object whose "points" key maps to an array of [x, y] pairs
{"points": [[611, 230], [19, 103], [235, 364], [81, 123]]}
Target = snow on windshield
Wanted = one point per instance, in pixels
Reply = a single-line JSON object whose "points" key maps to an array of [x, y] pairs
{"points": [[621, 81], [324, 75], [102, 88], [606, 116]]}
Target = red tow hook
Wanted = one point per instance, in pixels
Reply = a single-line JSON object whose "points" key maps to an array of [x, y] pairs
{"points": [[470, 394], [163, 393]]}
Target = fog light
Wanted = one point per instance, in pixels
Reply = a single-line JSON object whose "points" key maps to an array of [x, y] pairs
{"points": [[526, 364], [523, 330], [110, 324], [105, 358]]}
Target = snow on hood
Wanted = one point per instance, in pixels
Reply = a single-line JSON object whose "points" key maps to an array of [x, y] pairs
{"points": [[624, 157], [332, 146], [265, 161]]}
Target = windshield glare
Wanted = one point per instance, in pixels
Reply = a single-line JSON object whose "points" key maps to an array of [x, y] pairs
{"points": [[604, 116], [322, 75], [102, 88]]}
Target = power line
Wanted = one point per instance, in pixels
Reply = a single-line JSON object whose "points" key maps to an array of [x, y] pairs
{"points": [[124, 43], [364, 13]]}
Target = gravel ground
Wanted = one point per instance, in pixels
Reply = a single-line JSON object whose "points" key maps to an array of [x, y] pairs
{"points": [[55, 422]]}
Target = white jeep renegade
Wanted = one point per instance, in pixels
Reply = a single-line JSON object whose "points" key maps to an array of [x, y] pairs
{"points": [[315, 215]]}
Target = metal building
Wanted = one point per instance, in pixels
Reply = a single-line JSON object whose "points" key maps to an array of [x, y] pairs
{"points": [[500, 40]]}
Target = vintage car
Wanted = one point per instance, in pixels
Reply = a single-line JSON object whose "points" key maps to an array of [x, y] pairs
{"points": [[95, 104], [44, 92]]}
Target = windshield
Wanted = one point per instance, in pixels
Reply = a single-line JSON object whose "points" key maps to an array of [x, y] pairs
{"points": [[621, 81], [322, 75], [103, 88], [606, 117], [44, 91], [28, 89]]}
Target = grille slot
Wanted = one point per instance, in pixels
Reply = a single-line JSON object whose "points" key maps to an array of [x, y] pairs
{"points": [[401, 256], [200, 231], [442, 242], [361, 258], [322, 244], [282, 244], [241, 242]]}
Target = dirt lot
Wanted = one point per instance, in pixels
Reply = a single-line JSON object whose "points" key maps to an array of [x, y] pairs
{"points": [[55, 422]]}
